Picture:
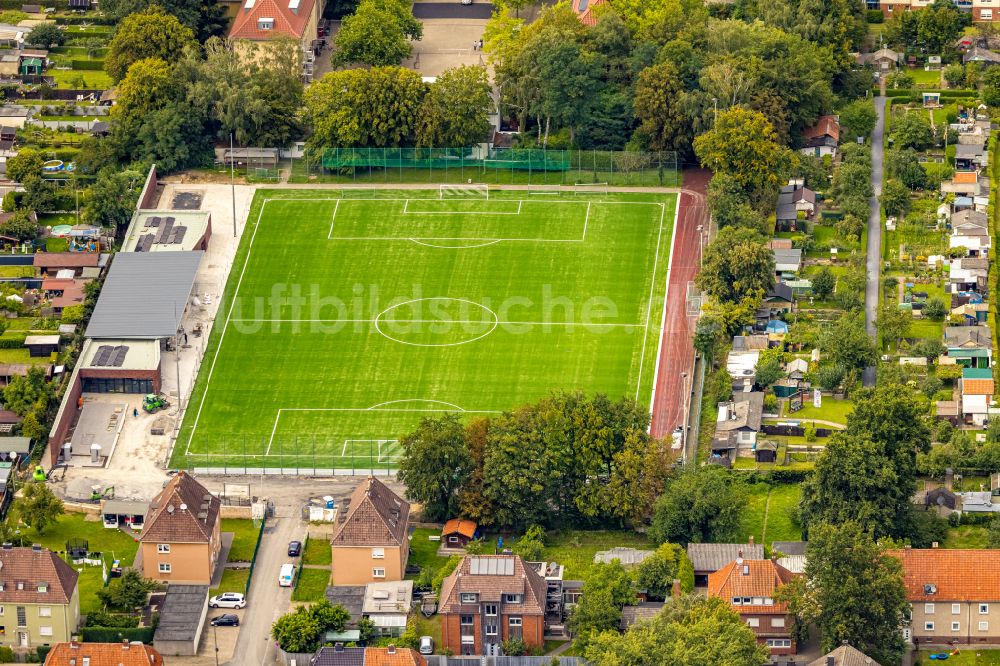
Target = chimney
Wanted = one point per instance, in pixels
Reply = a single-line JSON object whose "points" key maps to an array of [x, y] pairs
{"points": [[750, 540], [338, 647], [934, 544], [73, 645], [391, 649], [830, 661], [125, 644], [675, 590]]}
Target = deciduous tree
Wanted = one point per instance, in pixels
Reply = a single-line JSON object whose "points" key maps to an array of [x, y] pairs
{"points": [[151, 33], [699, 506], [38, 507], [375, 35], [435, 465], [737, 263], [46, 35], [454, 109]]}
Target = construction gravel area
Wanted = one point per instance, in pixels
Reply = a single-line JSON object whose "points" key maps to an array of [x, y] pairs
{"points": [[137, 468]]}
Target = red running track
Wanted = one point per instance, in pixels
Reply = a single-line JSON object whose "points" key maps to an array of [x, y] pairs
{"points": [[676, 353]]}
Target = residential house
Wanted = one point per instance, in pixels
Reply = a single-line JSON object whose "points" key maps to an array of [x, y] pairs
{"points": [[584, 10], [845, 655], [822, 138], [981, 55], [742, 367], [972, 314], [967, 184], [970, 229], [793, 199], [787, 261], [390, 656], [181, 539], [883, 60], [977, 501], [103, 654], [941, 497], [739, 420], [954, 595], [707, 558], [969, 346], [489, 599], [259, 22], [779, 299], [969, 157], [976, 388], [39, 598], [458, 532], [633, 613], [750, 586], [743, 343], [370, 541], [50, 263], [387, 605], [968, 274]]}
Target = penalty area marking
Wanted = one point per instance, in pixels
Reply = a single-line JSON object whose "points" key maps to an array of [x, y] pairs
{"points": [[407, 211], [380, 407]]}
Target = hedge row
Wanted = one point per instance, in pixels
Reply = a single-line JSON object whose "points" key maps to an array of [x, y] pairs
{"points": [[117, 634], [90, 65], [12, 342]]}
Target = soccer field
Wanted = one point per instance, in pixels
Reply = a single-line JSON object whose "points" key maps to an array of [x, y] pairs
{"points": [[350, 316]]}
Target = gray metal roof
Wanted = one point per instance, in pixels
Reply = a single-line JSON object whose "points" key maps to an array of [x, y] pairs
{"points": [[144, 295], [714, 556], [181, 612], [15, 444]]}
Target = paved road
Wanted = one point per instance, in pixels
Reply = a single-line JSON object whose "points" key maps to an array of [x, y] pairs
{"points": [[874, 259], [452, 10], [266, 601], [677, 355]]}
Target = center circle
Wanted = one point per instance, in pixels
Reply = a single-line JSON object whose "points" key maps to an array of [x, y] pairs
{"points": [[453, 319]]}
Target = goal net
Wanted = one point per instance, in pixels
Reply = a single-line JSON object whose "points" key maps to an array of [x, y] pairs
{"points": [[590, 188], [464, 191]]}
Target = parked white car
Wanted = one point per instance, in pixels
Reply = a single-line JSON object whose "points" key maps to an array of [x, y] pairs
{"points": [[286, 575], [228, 600]]}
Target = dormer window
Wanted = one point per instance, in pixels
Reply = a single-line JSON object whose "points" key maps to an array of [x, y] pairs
{"points": [[469, 597], [43, 587], [20, 585], [265, 24], [512, 598]]}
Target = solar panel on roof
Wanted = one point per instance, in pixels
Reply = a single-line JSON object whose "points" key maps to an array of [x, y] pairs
{"points": [[179, 235], [164, 232], [119, 356], [103, 354]]}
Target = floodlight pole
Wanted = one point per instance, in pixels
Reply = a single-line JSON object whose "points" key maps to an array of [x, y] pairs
{"points": [[232, 179]]}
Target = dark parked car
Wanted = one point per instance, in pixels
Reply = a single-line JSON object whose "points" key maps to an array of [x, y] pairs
{"points": [[226, 620], [294, 549]]}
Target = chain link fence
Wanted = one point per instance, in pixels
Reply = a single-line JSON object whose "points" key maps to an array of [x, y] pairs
{"points": [[495, 166]]}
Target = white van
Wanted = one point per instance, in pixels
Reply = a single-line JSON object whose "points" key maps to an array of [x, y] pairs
{"points": [[286, 575]]}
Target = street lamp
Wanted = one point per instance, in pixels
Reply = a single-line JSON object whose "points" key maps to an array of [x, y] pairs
{"points": [[701, 243], [715, 107], [684, 418]]}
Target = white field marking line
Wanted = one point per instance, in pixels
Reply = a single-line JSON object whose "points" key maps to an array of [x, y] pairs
{"points": [[649, 304], [442, 321], [562, 201], [663, 315], [396, 402], [586, 221], [225, 327], [454, 247], [406, 210], [277, 417], [333, 218]]}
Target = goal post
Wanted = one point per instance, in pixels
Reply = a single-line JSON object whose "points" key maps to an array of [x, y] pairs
{"points": [[464, 191]]}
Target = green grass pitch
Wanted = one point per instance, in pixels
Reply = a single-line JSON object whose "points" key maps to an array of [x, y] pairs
{"points": [[346, 319]]}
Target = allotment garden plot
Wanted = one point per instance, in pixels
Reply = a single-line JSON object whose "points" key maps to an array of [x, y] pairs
{"points": [[350, 316]]}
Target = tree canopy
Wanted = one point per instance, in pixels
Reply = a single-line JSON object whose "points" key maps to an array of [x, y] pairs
{"points": [[736, 264], [151, 33], [701, 506], [435, 465]]}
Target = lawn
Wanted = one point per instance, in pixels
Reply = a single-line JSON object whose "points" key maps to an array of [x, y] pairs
{"points": [[233, 580], [966, 657], [244, 538], [831, 410], [312, 585], [318, 551], [113, 544], [93, 79], [966, 536], [576, 550], [407, 302], [426, 627], [21, 355], [924, 78], [768, 513], [423, 552]]}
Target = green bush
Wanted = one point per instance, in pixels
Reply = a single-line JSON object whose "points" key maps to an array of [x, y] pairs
{"points": [[117, 634], [12, 342], [875, 16], [88, 65], [6, 655], [112, 620]]}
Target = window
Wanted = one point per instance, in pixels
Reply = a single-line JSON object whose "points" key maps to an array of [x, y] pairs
{"points": [[163, 547], [746, 601], [22, 616], [453, 539], [466, 620], [984, 609], [753, 622], [984, 626], [378, 573], [164, 567], [928, 626], [512, 598], [491, 630], [956, 609], [929, 609], [768, 601], [20, 585], [758, 601], [44, 611], [779, 642], [469, 597], [468, 639], [777, 622], [514, 621], [265, 23], [491, 610], [43, 587], [44, 631], [378, 553], [986, 14], [737, 601]]}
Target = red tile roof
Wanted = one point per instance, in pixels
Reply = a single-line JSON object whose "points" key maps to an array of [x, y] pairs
{"points": [[825, 126], [961, 177], [27, 568], [466, 528], [183, 512], [375, 516], [104, 654], [65, 259], [491, 586], [936, 574], [287, 22], [977, 387], [750, 578], [400, 657], [585, 10]]}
